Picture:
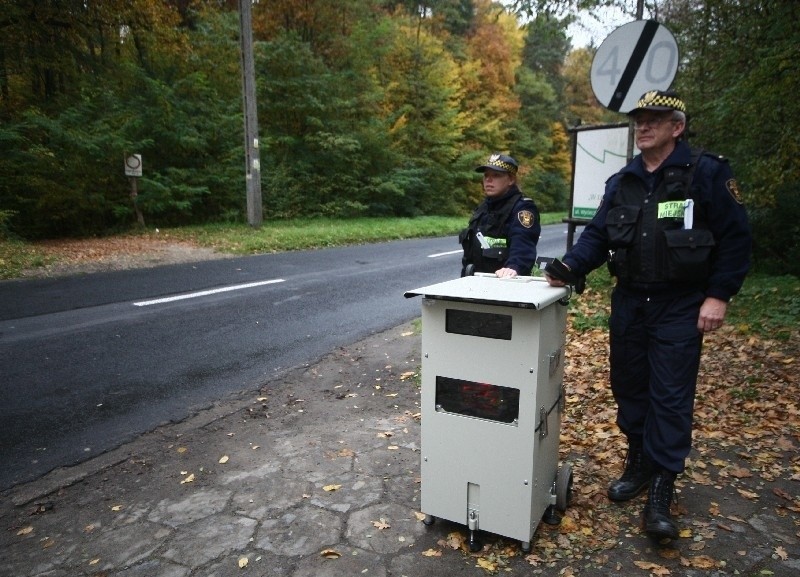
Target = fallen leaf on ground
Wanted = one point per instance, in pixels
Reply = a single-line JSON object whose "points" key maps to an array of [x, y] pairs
{"points": [[331, 488], [381, 525], [747, 494], [654, 568], [740, 473], [330, 553], [669, 553], [243, 561], [455, 540], [223, 459], [702, 562]]}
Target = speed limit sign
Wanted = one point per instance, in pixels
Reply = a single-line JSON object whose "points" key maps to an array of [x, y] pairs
{"points": [[633, 59]]}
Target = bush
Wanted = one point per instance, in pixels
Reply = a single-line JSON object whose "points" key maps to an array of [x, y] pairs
{"points": [[775, 233]]}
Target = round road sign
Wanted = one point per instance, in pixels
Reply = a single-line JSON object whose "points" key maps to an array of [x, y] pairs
{"points": [[633, 59], [133, 165]]}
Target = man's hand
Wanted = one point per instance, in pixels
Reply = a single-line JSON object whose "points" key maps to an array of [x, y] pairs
{"points": [[712, 314], [554, 281]]}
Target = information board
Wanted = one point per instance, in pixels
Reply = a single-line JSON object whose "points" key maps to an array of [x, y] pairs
{"points": [[599, 152]]}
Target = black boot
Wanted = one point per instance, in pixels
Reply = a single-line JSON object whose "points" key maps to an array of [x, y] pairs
{"points": [[658, 522], [636, 476]]}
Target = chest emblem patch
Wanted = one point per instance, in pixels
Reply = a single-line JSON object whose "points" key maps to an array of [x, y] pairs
{"points": [[525, 218]]}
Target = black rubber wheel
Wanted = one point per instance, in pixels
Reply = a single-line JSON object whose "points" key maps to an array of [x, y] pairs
{"points": [[563, 487]]}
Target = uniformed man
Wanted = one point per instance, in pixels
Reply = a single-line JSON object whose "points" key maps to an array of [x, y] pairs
{"points": [[672, 229], [503, 231]]}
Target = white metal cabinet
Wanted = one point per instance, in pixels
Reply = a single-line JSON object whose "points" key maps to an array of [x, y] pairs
{"points": [[492, 394]]}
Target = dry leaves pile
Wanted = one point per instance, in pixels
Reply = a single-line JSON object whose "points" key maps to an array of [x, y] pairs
{"points": [[71, 256], [76, 251]]}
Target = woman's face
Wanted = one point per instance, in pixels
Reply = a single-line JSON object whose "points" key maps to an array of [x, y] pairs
{"points": [[496, 183]]}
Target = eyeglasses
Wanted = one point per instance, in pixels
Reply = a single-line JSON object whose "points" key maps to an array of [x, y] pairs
{"points": [[654, 122]]}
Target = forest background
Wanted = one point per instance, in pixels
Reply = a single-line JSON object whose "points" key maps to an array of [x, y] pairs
{"points": [[365, 107]]}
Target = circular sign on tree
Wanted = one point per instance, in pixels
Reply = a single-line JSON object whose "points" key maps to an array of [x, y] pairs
{"points": [[633, 59]]}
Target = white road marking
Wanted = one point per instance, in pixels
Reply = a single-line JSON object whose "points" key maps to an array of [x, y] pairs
{"points": [[206, 293], [445, 253]]}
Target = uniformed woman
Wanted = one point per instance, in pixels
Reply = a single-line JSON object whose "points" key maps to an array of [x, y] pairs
{"points": [[503, 231]]}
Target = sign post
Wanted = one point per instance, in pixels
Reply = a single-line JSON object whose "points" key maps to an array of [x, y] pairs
{"points": [[133, 170]]}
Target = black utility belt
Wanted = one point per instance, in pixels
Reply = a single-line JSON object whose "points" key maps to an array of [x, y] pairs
{"points": [[499, 253]]}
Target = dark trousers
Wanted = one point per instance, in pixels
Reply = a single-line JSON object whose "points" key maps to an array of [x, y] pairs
{"points": [[655, 357]]}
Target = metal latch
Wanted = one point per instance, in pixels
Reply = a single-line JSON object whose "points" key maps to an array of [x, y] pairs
{"points": [[542, 423], [555, 361]]}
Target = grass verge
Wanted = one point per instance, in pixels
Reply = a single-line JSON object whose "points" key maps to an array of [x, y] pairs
{"points": [[300, 234], [767, 306], [273, 236], [16, 256]]}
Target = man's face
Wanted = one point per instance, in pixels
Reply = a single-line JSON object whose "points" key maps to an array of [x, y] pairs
{"points": [[496, 183], [656, 130]]}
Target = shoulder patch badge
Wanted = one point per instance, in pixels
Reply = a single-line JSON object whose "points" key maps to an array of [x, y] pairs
{"points": [[733, 188], [525, 218]]}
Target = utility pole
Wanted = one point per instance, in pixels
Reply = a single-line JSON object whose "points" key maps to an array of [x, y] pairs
{"points": [[255, 211]]}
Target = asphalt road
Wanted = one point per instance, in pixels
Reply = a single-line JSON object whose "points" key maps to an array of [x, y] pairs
{"points": [[89, 362]]}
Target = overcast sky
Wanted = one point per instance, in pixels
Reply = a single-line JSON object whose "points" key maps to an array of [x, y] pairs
{"points": [[596, 28]]}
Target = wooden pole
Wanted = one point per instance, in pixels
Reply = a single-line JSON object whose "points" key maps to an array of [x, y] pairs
{"points": [[134, 196], [255, 211]]}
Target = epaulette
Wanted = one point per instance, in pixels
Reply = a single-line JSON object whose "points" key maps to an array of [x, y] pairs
{"points": [[709, 154]]}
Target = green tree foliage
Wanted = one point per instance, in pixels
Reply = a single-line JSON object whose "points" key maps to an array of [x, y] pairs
{"points": [[741, 83], [367, 107], [420, 87], [539, 133], [580, 104], [494, 54], [546, 48], [63, 162]]}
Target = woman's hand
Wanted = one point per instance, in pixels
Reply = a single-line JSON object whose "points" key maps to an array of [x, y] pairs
{"points": [[506, 273]]}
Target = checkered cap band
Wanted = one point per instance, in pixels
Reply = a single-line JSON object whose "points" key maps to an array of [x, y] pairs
{"points": [[501, 164], [655, 98]]}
